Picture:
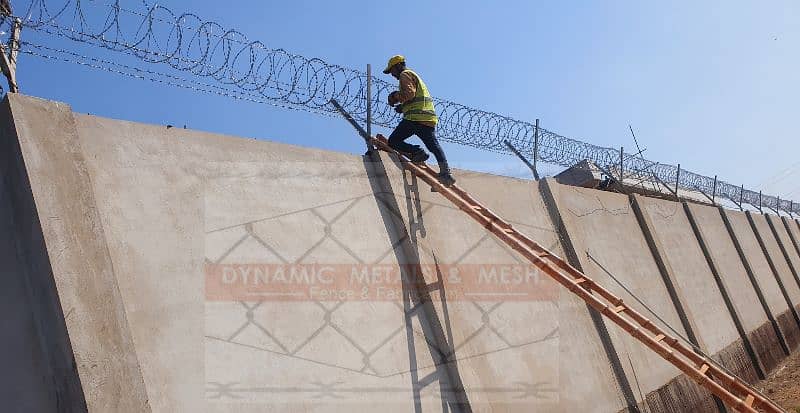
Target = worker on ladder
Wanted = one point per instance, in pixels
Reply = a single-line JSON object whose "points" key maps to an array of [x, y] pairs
{"points": [[414, 101]]}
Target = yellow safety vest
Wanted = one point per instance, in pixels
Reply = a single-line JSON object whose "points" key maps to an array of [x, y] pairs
{"points": [[420, 108]]}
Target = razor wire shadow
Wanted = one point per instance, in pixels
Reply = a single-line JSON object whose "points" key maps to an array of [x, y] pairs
{"points": [[416, 292]]}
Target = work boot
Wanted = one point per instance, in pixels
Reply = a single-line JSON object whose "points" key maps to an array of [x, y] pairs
{"points": [[446, 179], [419, 156], [444, 175]]}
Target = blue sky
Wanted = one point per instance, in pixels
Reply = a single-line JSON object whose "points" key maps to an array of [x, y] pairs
{"points": [[712, 85]]}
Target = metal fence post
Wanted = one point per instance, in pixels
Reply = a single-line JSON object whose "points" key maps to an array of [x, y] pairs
{"points": [[714, 190], [536, 148], [621, 165], [369, 99], [677, 181], [741, 198], [369, 103]]}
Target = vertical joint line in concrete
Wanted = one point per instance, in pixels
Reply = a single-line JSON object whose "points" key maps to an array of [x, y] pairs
{"points": [[551, 204], [712, 265], [752, 276]]}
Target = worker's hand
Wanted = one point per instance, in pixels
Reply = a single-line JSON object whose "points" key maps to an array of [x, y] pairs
{"points": [[393, 98], [398, 108]]}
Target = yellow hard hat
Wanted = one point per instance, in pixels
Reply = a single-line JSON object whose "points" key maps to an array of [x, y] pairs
{"points": [[393, 61]]}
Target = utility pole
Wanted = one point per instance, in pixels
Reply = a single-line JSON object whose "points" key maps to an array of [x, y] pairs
{"points": [[9, 52]]}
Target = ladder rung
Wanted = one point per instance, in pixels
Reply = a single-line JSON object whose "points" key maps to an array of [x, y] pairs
{"points": [[748, 401], [619, 309], [703, 369], [500, 223], [659, 337], [584, 283]]}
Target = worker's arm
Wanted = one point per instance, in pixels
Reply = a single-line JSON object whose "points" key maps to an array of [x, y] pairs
{"points": [[408, 88]]}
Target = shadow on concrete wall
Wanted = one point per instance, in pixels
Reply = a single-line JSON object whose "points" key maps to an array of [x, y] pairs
{"points": [[39, 370], [417, 302]]}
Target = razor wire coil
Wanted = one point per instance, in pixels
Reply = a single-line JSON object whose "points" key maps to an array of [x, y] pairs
{"points": [[243, 69]]}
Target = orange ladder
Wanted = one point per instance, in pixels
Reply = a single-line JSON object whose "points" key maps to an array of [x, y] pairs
{"points": [[733, 391]]}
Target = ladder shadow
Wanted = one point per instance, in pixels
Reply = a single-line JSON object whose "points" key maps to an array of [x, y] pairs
{"points": [[417, 300]]}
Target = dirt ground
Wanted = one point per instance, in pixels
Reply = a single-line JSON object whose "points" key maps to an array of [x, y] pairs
{"points": [[783, 385]]}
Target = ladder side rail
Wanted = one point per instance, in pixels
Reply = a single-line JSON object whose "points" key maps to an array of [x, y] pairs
{"points": [[687, 351]]}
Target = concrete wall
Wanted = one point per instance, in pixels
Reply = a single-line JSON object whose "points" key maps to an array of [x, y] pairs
{"points": [[240, 181], [140, 216], [174, 200]]}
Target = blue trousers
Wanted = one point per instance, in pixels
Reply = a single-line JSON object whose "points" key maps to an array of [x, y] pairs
{"points": [[406, 128]]}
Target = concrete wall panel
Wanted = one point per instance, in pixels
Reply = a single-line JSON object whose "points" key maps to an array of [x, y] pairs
{"points": [[704, 301], [731, 268], [73, 287]]}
